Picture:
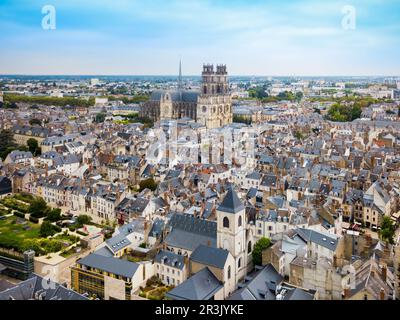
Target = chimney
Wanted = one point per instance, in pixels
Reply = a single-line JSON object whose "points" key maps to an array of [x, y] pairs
{"points": [[203, 206], [347, 293], [382, 294], [186, 262], [209, 243], [384, 272]]}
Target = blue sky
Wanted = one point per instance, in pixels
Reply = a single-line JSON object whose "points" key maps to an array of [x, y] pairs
{"points": [[148, 37]]}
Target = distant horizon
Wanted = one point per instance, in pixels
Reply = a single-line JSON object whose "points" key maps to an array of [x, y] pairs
{"points": [[199, 75]]}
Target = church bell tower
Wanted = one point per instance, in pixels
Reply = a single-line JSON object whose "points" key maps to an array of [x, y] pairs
{"points": [[214, 108]]}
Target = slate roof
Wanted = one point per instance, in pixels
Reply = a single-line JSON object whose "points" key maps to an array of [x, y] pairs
{"points": [[252, 193], [269, 181], [157, 228], [30, 288], [176, 96], [207, 210], [113, 265], [188, 240], [104, 251], [298, 294], [254, 175], [231, 203], [4, 284], [133, 206], [18, 155], [328, 241], [188, 232], [278, 201], [261, 286], [210, 256], [33, 131], [201, 286], [117, 243], [170, 259]]}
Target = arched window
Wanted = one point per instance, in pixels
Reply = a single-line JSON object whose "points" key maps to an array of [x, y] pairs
{"points": [[226, 222], [249, 247], [240, 221], [229, 272], [240, 263]]}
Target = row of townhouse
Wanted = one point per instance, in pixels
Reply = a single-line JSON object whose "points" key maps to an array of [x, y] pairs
{"points": [[98, 200]]}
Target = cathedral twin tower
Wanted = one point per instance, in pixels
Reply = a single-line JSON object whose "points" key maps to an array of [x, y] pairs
{"points": [[211, 106]]}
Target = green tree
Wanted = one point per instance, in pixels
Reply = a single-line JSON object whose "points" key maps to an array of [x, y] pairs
{"points": [[31, 244], [259, 247], [47, 229], [299, 96], [298, 135], [48, 101], [8, 105], [241, 119], [51, 245], [7, 143], [258, 92], [288, 96], [100, 117], [84, 219], [38, 208], [54, 215], [316, 110], [388, 230], [147, 184], [34, 121], [34, 147]]}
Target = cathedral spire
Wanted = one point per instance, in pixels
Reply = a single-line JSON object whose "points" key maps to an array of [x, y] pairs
{"points": [[180, 75]]}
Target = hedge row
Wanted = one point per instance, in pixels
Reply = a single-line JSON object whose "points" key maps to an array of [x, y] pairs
{"points": [[33, 219], [19, 214]]}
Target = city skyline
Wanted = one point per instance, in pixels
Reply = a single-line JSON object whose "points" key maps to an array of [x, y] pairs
{"points": [[300, 38]]}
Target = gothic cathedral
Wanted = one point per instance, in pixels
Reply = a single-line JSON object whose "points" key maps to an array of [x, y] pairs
{"points": [[211, 107]]}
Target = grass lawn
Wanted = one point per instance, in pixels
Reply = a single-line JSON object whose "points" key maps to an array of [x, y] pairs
{"points": [[12, 232]]}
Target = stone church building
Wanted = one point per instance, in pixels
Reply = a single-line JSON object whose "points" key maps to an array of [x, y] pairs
{"points": [[211, 107]]}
